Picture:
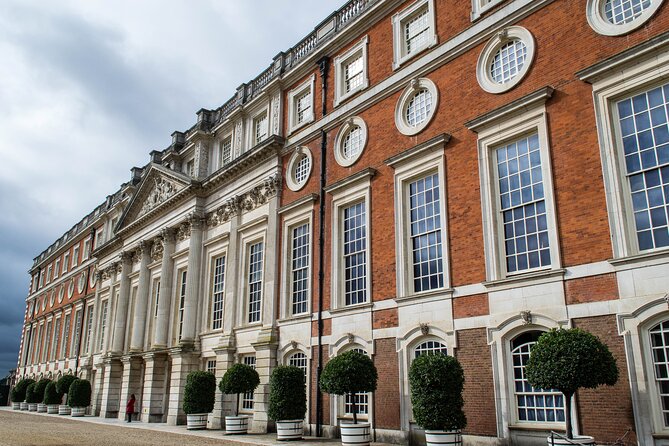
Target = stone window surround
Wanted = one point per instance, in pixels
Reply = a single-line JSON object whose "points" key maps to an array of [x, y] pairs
{"points": [[340, 62], [212, 255], [342, 345], [341, 135], [521, 117], [490, 50], [293, 95], [403, 102], [255, 234], [601, 25], [410, 165], [291, 181], [480, 7], [398, 20]]}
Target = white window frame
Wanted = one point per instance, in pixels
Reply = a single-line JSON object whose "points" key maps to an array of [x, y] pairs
{"points": [[55, 341], [246, 359], [251, 236], [89, 329], [66, 262], [486, 57], [346, 193], [291, 180], [346, 127], [221, 158], [77, 325], [406, 97], [292, 219], [480, 7], [65, 340], [502, 130], [87, 249], [400, 55], [180, 303], [49, 269], [613, 85], [423, 160], [56, 268], [75, 255], [598, 21], [213, 258], [104, 316], [293, 97], [255, 121], [359, 50]]}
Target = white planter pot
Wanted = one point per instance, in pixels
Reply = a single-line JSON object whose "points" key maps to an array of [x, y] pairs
{"points": [[16, 406], [578, 439], [41, 408], [64, 409], [23, 406], [355, 434], [52, 409], [32, 407], [289, 430], [236, 425], [78, 411], [195, 421], [447, 438]]}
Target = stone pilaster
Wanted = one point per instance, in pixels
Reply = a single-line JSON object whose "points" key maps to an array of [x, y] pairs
{"points": [[153, 395], [230, 314], [269, 274], [111, 387], [98, 384], [131, 383], [118, 335], [183, 362], [266, 348], [193, 280], [142, 301], [224, 404], [165, 298]]}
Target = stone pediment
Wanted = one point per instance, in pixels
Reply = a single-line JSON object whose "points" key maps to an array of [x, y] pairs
{"points": [[158, 187]]}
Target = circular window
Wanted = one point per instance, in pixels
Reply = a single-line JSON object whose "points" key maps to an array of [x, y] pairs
{"points": [[616, 17], [299, 169], [505, 60], [350, 141], [70, 289], [93, 279], [61, 293], [416, 106], [82, 282], [31, 308]]}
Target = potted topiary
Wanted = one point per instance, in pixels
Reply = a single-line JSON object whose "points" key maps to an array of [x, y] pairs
{"points": [[18, 393], [32, 398], [567, 360], [52, 398], [199, 397], [79, 397], [287, 402], [240, 378], [14, 395], [63, 387], [346, 374], [436, 383], [40, 386]]}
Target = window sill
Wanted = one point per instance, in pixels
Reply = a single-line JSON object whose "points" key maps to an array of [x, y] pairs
{"points": [[532, 278], [633, 261], [539, 427], [405, 58], [357, 308], [296, 127], [294, 319], [426, 296]]}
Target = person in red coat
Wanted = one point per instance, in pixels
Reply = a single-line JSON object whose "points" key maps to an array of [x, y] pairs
{"points": [[130, 408]]}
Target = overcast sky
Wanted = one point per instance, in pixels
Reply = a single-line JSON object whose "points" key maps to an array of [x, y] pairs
{"points": [[89, 88]]}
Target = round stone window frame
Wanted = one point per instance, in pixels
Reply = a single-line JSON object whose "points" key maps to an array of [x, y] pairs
{"points": [[61, 294], [344, 130], [408, 94], [81, 283], [601, 25], [70, 289], [291, 180], [508, 34]]}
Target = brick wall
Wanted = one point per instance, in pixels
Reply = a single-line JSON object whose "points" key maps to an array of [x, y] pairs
{"points": [[385, 318], [469, 306], [591, 289], [314, 387], [387, 395]]}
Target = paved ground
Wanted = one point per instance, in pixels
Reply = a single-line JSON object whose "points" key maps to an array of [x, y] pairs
{"points": [[30, 429]]}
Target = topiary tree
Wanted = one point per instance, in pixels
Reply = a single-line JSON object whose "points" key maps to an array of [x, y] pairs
{"points": [[287, 394], [240, 378], [51, 395], [349, 373], [567, 360], [40, 386], [436, 383], [64, 383], [200, 392], [19, 390], [31, 394], [79, 394]]}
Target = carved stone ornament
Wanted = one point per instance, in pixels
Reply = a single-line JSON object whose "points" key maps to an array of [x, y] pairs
{"points": [[184, 231], [257, 196], [157, 249], [168, 235], [136, 255], [350, 337], [275, 114], [293, 344], [526, 316], [666, 298], [238, 138], [229, 209], [162, 191], [425, 329]]}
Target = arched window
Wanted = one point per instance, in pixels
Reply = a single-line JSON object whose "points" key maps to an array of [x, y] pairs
{"points": [[659, 344], [299, 360], [532, 405], [361, 398], [430, 348]]}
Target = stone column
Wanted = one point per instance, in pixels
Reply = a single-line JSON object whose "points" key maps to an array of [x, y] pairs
{"points": [[165, 297], [155, 368], [182, 363], [111, 387], [142, 301], [122, 305], [192, 280], [131, 383]]}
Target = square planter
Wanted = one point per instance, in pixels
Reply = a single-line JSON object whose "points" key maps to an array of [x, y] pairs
{"points": [[446, 438], [52, 409], [23, 406], [41, 408], [16, 406], [32, 407], [78, 411]]}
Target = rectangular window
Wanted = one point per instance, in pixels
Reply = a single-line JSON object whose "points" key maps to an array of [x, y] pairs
{"points": [[425, 230], [303, 104], [56, 340], [522, 205], [77, 332], [156, 296], [351, 71], [255, 281], [66, 262], [182, 302], [211, 365], [413, 31], [247, 398], [75, 256], [47, 341], [218, 293], [644, 133], [103, 324], [353, 74], [361, 398], [64, 349], [48, 274], [355, 254], [39, 343], [190, 168], [56, 269], [300, 269], [41, 280], [98, 241], [225, 153], [260, 128], [89, 329], [416, 31], [87, 248]]}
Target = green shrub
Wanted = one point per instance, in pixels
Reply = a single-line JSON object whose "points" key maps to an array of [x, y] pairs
{"points": [[436, 383], [200, 392], [349, 373], [40, 386], [79, 394], [287, 394], [240, 378], [567, 360], [31, 394], [19, 390], [51, 395], [63, 384]]}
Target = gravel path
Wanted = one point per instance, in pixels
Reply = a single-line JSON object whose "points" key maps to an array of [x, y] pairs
{"points": [[24, 429]]}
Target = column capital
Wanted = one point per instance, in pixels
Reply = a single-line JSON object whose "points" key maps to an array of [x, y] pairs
{"points": [[145, 246], [125, 257], [196, 220], [168, 234]]}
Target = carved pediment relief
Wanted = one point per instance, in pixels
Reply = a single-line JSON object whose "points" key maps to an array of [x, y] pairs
{"points": [[161, 191]]}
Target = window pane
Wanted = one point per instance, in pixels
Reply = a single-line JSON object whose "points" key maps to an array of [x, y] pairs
{"points": [[508, 61], [624, 11], [218, 293], [355, 254], [419, 108], [255, 281], [300, 269], [416, 31], [659, 337]]}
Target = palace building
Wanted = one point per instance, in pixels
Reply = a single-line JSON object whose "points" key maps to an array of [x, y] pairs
{"points": [[412, 177]]}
